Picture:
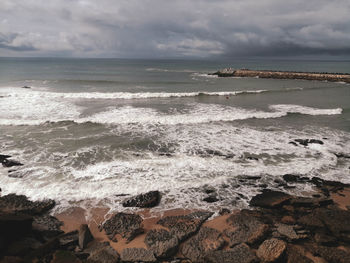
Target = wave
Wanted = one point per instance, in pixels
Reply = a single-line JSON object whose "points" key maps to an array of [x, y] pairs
{"points": [[16, 92], [289, 108]]}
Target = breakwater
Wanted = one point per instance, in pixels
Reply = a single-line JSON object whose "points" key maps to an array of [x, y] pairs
{"points": [[334, 77]]}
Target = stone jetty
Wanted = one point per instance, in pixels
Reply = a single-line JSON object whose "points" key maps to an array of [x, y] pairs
{"points": [[269, 74]]}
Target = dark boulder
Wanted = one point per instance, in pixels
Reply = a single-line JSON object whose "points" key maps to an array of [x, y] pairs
{"points": [[306, 142], [68, 241], [127, 225], [184, 226], [85, 236], [293, 178], [161, 242], [137, 255], [211, 198], [10, 163], [13, 226], [270, 199], [339, 155], [47, 226], [26, 87], [239, 254], [146, 200], [4, 157], [207, 240], [13, 203]]}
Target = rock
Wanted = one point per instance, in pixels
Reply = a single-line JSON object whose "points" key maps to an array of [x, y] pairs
{"points": [[26, 87], [10, 163], [246, 228], [310, 202], [294, 255], [85, 236], [239, 254], [207, 240], [288, 220], [10, 259], [224, 211], [316, 141], [333, 255], [61, 256], [47, 226], [287, 231], [270, 199], [22, 246], [336, 221], [306, 142], [184, 226], [293, 178], [13, 203], [137, 254], [127, 225], [271, 250], [106, 254], [146, 200], [69, 240], [161, 242], [325, 239], [14, 226], [339, 155], [211, 199], [4, 157]]}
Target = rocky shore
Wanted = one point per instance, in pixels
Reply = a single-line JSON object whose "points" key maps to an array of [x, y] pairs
{"points": [[334, 77], [278, 228]]}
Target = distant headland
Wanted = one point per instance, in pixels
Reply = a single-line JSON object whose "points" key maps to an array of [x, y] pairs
{"points": [[270, 74]]}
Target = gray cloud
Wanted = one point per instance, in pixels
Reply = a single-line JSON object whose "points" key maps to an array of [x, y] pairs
{"points": [[180, 28]]}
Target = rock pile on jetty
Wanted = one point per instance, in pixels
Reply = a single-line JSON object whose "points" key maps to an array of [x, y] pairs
{"points": [[334, 77]]}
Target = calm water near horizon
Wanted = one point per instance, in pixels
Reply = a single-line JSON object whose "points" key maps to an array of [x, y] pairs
{"points": [[89, 130]]}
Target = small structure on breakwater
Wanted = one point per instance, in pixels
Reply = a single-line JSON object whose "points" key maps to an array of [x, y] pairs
{"points": [[335, 77]]}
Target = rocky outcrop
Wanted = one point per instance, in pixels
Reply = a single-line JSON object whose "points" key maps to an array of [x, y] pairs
{"points": [[85, 236], [245, 228], [335, 77], [146, 200], [161, 242], [184, 226], [106, 254], [269, 199], [198, 246], [240, 253], [127, 225], [137, 255], [271, 250], [13, 203]]}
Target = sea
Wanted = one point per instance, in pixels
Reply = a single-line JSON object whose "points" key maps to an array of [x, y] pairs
{"points": [[92, 132]]}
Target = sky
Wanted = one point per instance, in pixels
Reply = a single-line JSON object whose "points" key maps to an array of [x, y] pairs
{"points": [[174, 29]]}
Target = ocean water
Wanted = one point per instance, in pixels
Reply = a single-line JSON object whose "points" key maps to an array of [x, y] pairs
{"points": [[92, 131]]}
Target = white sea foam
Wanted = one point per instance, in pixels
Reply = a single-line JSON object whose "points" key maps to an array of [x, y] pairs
{"points": [[289, 108], [182, 176], [30, 107]]}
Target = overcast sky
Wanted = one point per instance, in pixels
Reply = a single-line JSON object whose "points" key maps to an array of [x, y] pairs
{"points": [[176, 28]]}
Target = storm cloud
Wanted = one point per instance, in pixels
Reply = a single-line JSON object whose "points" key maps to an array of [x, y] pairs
{"points": [[178, 28]]}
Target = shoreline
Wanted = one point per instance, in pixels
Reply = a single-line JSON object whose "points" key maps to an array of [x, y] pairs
{"points": [[277, 227], [271, 74]]}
